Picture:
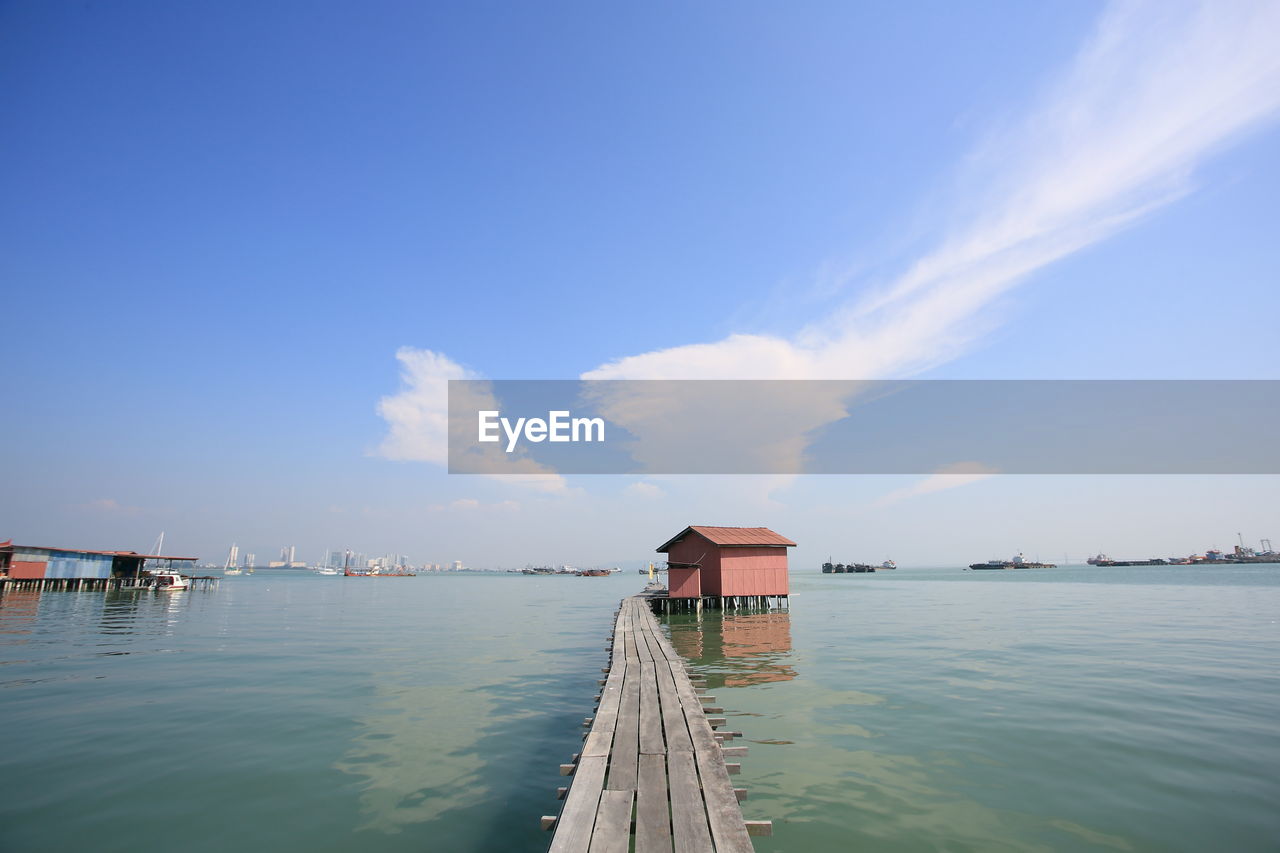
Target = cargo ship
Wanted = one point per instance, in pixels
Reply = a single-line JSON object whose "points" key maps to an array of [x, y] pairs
{"points": [[1018, 562]]}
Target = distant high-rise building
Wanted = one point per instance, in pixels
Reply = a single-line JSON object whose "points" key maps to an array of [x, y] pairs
{"points": [[457, 565]]}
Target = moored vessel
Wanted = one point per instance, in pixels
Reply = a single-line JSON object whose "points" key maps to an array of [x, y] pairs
{"points": [[1018, 562], [168, 580], [830, 568]]}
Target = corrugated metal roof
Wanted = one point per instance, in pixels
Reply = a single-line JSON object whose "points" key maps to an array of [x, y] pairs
{"points": [[9, 546], [730, 536]]}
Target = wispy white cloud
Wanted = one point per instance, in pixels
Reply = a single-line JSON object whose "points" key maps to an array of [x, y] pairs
{"points": [[417, 417], [1159, 86], [473, 505], [951, 477], [110, 506], [643, 489]]}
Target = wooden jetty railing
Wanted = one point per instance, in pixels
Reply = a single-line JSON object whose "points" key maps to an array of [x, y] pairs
{"points": [[652, 752]]}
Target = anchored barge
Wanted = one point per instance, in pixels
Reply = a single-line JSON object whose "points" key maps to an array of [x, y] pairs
{"points": [[1018, 562]]}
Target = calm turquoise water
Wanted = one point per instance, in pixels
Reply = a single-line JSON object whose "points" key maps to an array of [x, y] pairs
{"points": [[1067, 709]]}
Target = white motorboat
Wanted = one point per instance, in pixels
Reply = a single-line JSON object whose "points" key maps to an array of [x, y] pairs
{"points": [[167, 580]]}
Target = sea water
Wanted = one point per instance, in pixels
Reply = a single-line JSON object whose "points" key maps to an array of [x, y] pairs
{"points": [[1076, 708]]}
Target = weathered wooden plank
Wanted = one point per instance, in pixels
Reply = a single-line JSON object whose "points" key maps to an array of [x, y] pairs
{"points": [[673, 717], [610, 699], [699, 729], [651, 740], [653, 810], [674, 724], [630, 638], [578, 817], [612, 832], [623, 758], [597, 743], [689, 830], [642, 646], [723, 812], [668, 651]]}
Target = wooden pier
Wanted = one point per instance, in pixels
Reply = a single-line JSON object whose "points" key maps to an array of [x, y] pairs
{"points": [[96, 584], [652, 769]]}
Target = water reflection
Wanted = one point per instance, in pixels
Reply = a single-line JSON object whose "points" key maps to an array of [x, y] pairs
{"points": [[19, 610], [412, 771], [736, 649]]}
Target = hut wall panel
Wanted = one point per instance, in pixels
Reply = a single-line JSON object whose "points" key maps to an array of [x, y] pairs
{"points": [[67, 564], [754, 571], [711, 571], [694, 549], [27, 569], [683, 583]]}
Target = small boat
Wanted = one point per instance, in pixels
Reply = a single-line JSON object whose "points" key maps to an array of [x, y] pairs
{"points": [[888, 564], [326, 571], [167, 580]]}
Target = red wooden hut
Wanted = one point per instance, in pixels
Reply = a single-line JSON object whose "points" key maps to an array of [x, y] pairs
{"points": [[726, 561]]}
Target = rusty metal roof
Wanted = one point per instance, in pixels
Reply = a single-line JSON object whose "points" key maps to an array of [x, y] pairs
{"points": [[9, 546], [731, 536]]}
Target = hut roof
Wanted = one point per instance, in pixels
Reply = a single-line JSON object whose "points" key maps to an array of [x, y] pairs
{"points": [[731, 536]]}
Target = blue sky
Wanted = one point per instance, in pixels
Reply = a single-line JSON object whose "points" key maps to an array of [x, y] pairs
{"points": [[222, 222]]}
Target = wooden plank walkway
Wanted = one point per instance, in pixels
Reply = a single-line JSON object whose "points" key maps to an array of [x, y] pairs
{"points": [[651, 751]]}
